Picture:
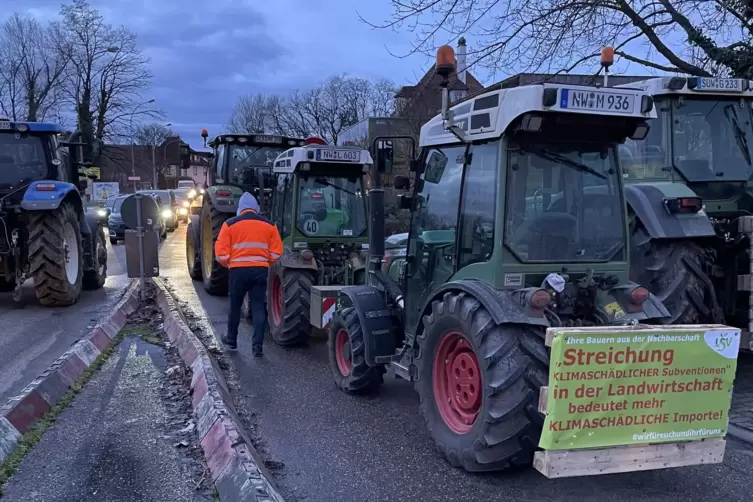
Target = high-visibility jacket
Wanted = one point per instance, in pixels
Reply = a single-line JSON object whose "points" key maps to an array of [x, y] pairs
{"points": [[248, 240]]}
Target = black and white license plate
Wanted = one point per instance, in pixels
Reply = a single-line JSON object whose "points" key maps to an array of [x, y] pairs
{"points": [[601, 101], [328, 155]]}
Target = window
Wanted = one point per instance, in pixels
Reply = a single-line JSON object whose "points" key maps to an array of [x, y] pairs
{"points": [[220, 159], [22, 160], [479, 203], [282, 217], [648, 158], [331, 206], [252, 165], [563, 203]]}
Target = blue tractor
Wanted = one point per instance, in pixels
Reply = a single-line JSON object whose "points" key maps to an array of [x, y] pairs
{"points": [[45, 232]]}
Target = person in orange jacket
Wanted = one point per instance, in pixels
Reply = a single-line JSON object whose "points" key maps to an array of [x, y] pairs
{"points": [[247, 245]]}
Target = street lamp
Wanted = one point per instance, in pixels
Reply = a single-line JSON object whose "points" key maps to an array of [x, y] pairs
{"points": [[133, 141], [154, 163]]}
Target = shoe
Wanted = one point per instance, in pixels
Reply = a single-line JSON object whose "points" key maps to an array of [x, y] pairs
{"points": [[232, 347], [258, 352]]}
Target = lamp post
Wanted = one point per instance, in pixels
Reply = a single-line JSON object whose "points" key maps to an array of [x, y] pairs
{"points": [[133, 142], [154, 163]]}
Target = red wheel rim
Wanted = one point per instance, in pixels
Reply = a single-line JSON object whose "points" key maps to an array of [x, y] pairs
{"points": [[342, 352], [277, 304], [457, 382]]}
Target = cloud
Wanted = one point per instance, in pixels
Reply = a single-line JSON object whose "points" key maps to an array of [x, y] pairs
{"points": [[204, 55]]}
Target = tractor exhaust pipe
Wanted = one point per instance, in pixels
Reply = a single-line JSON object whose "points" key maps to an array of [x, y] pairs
{"points": [[376, 225]]}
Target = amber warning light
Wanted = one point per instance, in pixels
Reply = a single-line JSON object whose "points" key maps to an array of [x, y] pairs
{"points": [[445, 61], [607, 57]]}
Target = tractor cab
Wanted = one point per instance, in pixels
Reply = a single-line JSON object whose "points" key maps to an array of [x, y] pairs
{"points": [[243, 163], [320, 205]]}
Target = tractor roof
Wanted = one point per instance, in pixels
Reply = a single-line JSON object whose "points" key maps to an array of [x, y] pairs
{"points": [[255, 139], [489, 114], [694, 86], [7, 125], [300, 158]]}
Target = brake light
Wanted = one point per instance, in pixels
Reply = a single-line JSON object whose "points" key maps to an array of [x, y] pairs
{"points": [[316, 196], [683, 205], [46, 187], [224, 193], [638, 296]]}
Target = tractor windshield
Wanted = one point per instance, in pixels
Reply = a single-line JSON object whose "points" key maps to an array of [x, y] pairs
{"points": [[564, 203], [22, 160], [330, 206], [713, 139], [250, 165]]}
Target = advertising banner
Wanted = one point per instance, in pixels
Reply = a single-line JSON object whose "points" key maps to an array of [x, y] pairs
{"points": [[627, 387]]}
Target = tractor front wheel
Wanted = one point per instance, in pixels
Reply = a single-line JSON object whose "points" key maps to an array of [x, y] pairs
{"points": [[193, 259], [95, 278], [347, 356], [56, 255], [478, 385], [289, 304], [215, 276]]}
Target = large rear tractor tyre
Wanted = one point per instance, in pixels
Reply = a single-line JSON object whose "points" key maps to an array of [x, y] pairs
{"points": [[347, 355], [193, 258], [56, 256], [478, 385], [289, 304], [214, 275], [674, 271], [96, 278]]}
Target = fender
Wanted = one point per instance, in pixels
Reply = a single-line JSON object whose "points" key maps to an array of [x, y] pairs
{"points": [[224, 204], [49, 200], [290, 259], [375, 320], [500, 304], [647, 202]]}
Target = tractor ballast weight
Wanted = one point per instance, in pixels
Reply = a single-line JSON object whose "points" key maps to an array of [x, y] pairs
{"points": [[690, 200], [319, 207], [518, 225], [240, 163], [48, 235]]}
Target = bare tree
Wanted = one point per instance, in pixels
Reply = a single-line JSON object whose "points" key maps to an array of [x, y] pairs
{"points": [[325, 110], [32, 68], [696, 37], [107, 72], [153, 134]]}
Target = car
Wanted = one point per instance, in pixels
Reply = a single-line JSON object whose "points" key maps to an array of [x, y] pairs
{"points": [[184, 203], [169, 206], [115, 224]]}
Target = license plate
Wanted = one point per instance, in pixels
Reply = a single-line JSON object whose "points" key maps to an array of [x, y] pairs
{"points": [[597, 101], [4, 125], [720, 84], [338, 155]]}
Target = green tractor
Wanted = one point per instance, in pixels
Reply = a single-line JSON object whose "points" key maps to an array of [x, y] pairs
{"points": [[518, 224], [240, 163], [690, 200], [319, 206]]}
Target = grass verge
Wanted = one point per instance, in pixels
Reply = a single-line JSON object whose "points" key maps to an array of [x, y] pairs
{"points": [[34, 435]]}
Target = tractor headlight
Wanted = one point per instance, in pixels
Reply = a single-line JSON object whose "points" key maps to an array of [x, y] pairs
{"points": [[201, 191], [186, 203], [192, 194], [183, 211], [167, 213], [102, 213]]}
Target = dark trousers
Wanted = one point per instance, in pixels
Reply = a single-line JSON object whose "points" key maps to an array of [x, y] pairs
{"points": [[251, 280]]}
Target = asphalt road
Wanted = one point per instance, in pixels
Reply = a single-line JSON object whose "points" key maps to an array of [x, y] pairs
{"points": [[336, 447]]}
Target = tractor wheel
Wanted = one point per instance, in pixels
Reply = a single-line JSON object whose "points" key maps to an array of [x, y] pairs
{"points": [[193, 259], [56, 256], [674, 272], [288, 305], [478, 385], [347, 355], [215, 276], [95, 279]]}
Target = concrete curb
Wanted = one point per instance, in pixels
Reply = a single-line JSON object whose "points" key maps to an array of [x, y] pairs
{"points": [[740, 433], [20, 413], [237, 469]]}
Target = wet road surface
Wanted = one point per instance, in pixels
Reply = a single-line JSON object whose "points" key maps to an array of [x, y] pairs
{"points": [[113, 443], [32, 336], [336, 447]]}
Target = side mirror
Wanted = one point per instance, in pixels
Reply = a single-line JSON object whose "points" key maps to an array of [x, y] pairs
{"points": [[401, 182], [405, 202], [414, 165], [384, 157]]}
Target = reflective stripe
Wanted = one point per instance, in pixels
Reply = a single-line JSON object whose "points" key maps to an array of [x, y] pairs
{"points": [[246, 245], [248, 258], [223, 257], [274, 255]]}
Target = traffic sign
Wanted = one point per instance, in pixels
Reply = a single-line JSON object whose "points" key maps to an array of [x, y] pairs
{"points": [[134, 178], [149, 212]]}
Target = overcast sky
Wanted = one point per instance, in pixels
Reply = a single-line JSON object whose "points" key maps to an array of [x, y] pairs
{"points": [[207, 53]]}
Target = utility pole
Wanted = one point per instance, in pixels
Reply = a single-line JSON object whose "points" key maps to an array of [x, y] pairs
{"points": [[154, 167]]}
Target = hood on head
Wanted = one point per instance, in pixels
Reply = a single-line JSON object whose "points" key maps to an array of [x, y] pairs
{"points": [[247, 201]]}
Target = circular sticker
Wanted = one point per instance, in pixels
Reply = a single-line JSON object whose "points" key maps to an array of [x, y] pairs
{"points": [[311, 227]]}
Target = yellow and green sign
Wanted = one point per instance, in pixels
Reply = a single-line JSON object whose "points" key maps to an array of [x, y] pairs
{"points": [[628, 387]]}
